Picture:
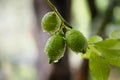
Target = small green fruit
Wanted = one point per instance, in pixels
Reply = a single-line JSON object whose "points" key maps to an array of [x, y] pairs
{"points": [[55, 48], [76, 41], [51, 22]]}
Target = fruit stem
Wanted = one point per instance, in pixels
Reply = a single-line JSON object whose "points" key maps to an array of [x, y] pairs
{"points": [[55, 9], [67, 28]]}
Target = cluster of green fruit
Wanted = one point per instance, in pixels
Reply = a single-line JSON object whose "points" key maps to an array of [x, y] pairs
{"points": [[55, 46]]}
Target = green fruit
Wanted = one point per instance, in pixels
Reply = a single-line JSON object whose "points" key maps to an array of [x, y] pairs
{"points": [[76, 41], [55, 48], [51, 22]]}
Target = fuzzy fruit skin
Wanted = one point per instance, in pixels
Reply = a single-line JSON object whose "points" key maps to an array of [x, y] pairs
{"points": [[76, 41], [55, 47], [50, 22]]}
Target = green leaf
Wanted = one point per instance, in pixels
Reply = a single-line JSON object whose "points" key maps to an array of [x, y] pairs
{"points": [[109, 44], [115, 34], [94, 39], [112, 55], [87, 54], [110, 49], [99, 66]]}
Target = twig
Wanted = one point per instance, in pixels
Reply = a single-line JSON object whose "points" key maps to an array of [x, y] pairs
{"points": [[55, 9]]}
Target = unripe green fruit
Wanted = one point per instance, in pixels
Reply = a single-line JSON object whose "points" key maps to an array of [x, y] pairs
{"points": [[76, 41], [51, 22], [55, 47]]}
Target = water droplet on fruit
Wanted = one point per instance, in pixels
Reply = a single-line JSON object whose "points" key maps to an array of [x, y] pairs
{"points": [[55, 61]]}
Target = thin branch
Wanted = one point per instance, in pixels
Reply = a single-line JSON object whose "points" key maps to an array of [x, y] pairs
{"points": [[55, 9]]}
